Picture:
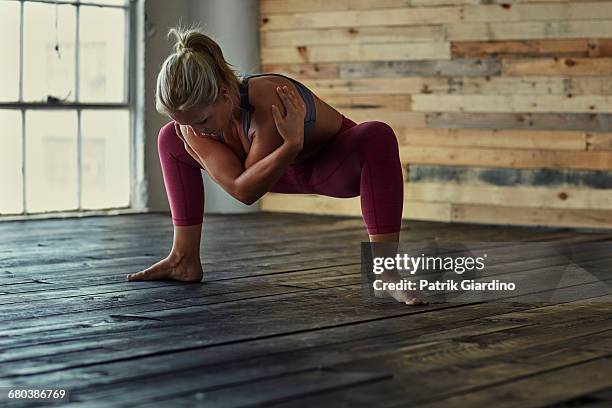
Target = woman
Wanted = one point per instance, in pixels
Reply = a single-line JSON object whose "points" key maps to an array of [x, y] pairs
{"points": [[257, 134]]}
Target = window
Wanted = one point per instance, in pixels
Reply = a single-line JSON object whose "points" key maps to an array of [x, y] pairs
{"points": [[65, 105]]}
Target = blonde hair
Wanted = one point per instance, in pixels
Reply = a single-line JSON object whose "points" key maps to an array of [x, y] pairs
{"points": [[193, 74]]}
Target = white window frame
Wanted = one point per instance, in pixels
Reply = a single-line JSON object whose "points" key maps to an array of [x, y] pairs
{"points": [[134, 9]]}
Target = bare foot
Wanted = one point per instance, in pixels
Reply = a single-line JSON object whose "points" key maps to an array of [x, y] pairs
{"points": [[409, 297], [175, 267]]}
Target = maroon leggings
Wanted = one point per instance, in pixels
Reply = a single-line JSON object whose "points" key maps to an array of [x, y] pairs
{"points": [[360, 160]]}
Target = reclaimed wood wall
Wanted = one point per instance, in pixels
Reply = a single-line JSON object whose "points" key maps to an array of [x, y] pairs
{"points": [[503, 109]]}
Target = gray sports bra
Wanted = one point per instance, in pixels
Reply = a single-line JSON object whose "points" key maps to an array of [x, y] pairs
{"points": [[246, 107]]}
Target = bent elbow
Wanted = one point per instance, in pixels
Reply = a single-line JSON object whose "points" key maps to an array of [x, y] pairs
{"points": [[249, 200], [244, 197]]}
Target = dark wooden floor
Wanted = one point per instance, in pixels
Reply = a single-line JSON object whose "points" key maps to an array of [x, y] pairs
{"points": [[280, 320]]}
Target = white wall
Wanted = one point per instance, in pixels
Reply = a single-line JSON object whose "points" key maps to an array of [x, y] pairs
{"points": [[234, 25]]}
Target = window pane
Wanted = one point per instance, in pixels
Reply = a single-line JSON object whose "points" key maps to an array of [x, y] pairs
{"points": [[105, 2], [48, 71], [106, 159], [101, 57], [51, 165], [108, 2], [9, 44], [11, 180]]}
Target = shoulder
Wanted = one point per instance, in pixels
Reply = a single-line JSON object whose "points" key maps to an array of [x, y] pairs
{"points": [[167, 134], [262, 90], [167, 128], [262, 95]]}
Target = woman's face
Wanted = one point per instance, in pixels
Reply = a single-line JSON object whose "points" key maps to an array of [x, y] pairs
{"points": [[216, 120]]}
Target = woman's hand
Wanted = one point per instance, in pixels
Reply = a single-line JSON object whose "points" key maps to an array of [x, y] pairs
{"points": [[290, 126], [181, 131]]}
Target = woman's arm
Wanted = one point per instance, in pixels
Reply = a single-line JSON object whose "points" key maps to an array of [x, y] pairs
{"points": [[268, 137], [270, 153], [224, 167], [189, 150]]}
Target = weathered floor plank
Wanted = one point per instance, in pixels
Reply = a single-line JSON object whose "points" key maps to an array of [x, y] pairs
{"points": [[281, 318]]}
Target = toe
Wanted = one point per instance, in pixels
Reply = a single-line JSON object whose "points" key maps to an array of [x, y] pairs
{"points": [[147, 274], [135, 276]]}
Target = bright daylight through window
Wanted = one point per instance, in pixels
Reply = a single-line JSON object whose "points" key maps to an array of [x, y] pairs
{"points": [[64, 105]]}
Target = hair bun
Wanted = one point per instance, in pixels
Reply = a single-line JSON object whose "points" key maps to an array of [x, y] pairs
{"points": [[193, 74]]}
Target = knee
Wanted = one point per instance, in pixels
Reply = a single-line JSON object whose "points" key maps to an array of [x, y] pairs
{"points": [[167, 138], [387, 135], [380, 134]]}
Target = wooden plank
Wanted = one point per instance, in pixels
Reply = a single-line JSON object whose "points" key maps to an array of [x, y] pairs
{"points": [[557, 66], [543, 1], [394, 67], [247, 352], [599, 141], [156, 224], [525, 30], [590, 85], [415, 208], [457, 354], [144, 337], [352, 35], [531, 216], [451, 383], [49, 255], [333, 395], [502, 139], [420, 210], [433, 331], [360, 18], [534, 85], [301, 6], [358, 82], [525, 197], [263, 322], [243, 223], [355, 52], [15, 350], [370, 102], [395, 119], [66, 284], [266, 391], [512, 158], [311, 204], [375, 85], [62, 300], [546, 388], [303, 71], [435, 15], [511, 103], [308, 204], [255, 318], [508, 216], [579, 47], [537, 12], [595, 122], [422, 202], [485, 176]]}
